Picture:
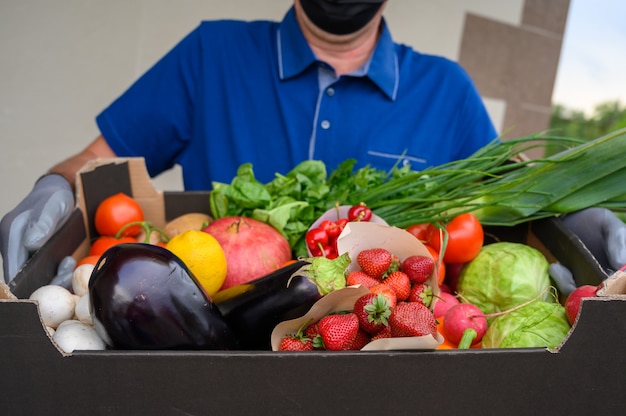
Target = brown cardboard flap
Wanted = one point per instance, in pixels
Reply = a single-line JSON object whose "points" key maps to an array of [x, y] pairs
{"points": [[5, 292], [101, 178], [614, 285]]}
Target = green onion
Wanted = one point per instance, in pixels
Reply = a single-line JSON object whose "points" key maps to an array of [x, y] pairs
{"points": [[502, 187], [497, 183]]}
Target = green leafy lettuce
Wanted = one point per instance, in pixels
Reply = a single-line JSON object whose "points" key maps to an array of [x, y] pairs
{"points": [[538, 324], [292, 202]]}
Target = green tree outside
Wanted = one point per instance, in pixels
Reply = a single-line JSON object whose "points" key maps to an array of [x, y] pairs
{"points": [[606, 118]]}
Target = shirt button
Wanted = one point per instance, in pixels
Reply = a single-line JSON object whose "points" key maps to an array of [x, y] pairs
{"points": [[325, 124], [330, 92]]}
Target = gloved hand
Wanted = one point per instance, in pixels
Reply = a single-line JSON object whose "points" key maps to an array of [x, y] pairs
{"points": [[603, 233], [31, 224], [65, 273]]}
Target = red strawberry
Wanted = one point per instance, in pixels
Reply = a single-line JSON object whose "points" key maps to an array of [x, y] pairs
{"points": [[362, 339], [421, 292], [359, 277], [312, 332], [400, 283], [419, 268], [387, 292], [373, 311], [412, 319], [375, 261], [338, 331], [385, 333], [295, 343]]}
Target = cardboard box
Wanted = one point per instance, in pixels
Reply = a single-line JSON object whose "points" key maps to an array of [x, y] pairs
{"points": [[586, 375]]}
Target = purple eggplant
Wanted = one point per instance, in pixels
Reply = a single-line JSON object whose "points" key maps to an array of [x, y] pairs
{"points": [[144, 297], [253, 309]]}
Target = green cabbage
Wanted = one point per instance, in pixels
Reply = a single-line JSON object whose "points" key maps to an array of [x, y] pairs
{"points": [[538, 324], [504, 275]]}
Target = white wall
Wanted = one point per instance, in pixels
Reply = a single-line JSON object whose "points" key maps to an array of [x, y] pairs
{"points": [[63, 61]]}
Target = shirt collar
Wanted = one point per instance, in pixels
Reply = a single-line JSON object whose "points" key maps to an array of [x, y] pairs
{"points": [[295, 55]]}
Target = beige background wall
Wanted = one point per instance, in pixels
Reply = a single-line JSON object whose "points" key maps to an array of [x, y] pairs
{"points": [[63, 61]]}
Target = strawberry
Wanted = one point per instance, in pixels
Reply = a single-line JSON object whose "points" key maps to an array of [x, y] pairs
{"points": [[295, 343], [338, 331], [418, 268], [359, 277], [412, 319], [421, 292], [385, 333], [312, 332], [375, 261], [373, 311], [387, 292], [362, 339], [400, 283]]}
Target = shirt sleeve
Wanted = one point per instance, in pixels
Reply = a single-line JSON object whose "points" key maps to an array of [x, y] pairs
{"points": [[153, 118]]}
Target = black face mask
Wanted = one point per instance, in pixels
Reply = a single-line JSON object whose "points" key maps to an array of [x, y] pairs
{"points": [[341, 17]]}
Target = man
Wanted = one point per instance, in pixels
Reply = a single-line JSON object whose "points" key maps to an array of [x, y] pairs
{"points": [[325, 83]]}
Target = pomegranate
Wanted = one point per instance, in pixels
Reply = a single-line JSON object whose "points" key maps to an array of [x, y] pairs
{"points": [[252, 248]]}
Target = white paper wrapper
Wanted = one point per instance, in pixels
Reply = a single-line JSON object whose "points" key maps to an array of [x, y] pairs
{"points": [[356, 237], [359, 236]]}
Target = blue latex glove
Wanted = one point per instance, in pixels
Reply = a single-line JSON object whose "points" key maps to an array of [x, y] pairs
{"points": [[65, 272], [603, 233], [31, 224]]}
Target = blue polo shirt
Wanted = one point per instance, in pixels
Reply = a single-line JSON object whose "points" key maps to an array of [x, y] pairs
{"points": [[233, 92]]}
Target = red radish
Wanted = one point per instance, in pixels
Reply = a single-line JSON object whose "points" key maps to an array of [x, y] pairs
{"points": [[444, 302], [572, 303], [465, 325], [445, 288]]}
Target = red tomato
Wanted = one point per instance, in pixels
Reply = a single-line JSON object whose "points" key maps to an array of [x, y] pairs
{"points": [[420, 231], [117, 211], [90, 259], [465, 238], [103, 243]]}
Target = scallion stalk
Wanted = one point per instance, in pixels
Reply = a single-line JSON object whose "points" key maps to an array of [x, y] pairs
{"points": [[502, 187]]}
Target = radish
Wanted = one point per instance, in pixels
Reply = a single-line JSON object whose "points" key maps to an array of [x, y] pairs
{"points": [[572, 303], [465, 325], [445, 301]]}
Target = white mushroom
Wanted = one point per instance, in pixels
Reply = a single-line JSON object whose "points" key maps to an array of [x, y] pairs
{"points": [[82, 311], [80, 279], [75, 335], [56, 304]]}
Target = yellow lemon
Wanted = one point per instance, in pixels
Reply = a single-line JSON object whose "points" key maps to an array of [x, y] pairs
{"points": [[203, 255]]}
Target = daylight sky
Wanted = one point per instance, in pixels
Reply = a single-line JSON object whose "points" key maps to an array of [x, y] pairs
{"points": [[592, 69]]}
